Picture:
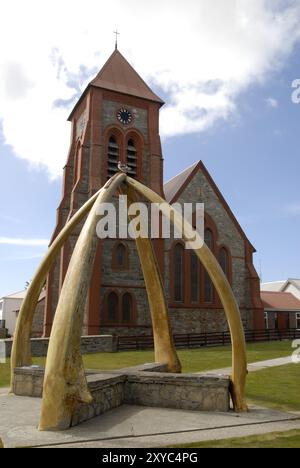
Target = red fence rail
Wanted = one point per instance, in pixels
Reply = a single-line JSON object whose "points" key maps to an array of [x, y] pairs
{"points": [[197, 340]]}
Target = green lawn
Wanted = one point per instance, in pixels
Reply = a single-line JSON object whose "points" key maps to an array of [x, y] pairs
{"points": [[194, 360], [277, 387], [289, 439]]}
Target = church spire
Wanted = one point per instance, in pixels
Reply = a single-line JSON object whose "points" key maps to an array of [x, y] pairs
{"points": [[119, 76], [116, 43]]}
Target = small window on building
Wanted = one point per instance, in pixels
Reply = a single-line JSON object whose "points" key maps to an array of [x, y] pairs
{"points": [[208, 289], [127, 308], [132, 158], [178, 273], [208, 286], [208, 238], [194, 278], [112, 307], [224, 261], [112, 156], [266, 321], [298, 321], [120, 257], [276, 325]]}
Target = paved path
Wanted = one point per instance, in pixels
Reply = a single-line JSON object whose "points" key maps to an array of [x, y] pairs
{"points": [[135, 426], [188, 437], [253, 367]]}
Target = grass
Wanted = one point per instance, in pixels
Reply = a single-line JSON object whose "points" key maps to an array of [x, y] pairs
{"points": [[289, 439], [276, 388], [193, 360]]}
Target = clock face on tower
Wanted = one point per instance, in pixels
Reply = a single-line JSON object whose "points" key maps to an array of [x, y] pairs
{"points": [[124, 116]]}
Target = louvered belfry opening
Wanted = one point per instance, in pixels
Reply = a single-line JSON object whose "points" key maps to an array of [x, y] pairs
{"points": [[131, 158], [113, 156]]}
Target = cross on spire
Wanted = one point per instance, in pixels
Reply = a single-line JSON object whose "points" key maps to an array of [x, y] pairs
{"points": [[116, 33]]}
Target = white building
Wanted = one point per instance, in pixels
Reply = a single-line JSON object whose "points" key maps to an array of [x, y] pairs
{"points": [[274, 286], [9, 309], [290, 285]]}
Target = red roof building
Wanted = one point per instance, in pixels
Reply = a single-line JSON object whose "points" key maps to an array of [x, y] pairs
{"points": [[280, 301], [282, 310]]}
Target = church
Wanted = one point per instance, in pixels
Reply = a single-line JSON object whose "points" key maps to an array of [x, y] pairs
{"points": [[117, 119]]}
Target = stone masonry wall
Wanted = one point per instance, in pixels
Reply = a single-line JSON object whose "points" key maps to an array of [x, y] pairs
{"points": [[110, 109], [107, 392], [185, 319], [130, 281], [198, 320], [29, 381], [38, 320], [140, 122], [182, 391], [89, 344]]}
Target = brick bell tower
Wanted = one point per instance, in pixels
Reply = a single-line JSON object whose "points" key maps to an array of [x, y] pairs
{"points": [[116, 119]]}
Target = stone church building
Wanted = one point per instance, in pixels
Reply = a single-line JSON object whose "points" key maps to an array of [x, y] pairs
{"points": [[117, 119]]}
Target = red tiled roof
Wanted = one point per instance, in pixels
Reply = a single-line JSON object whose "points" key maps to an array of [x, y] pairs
{"points": [[118, 75], [280, 301]]}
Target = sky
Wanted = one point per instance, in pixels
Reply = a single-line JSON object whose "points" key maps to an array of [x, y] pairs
{"points": [[225, 71]]}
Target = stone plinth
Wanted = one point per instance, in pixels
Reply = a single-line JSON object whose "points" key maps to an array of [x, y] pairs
{"points": [[107, 391], [29, 381], [147, 385], [182, 391]]}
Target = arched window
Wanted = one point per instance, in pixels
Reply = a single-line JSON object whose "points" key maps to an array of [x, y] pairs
{"points": [[132, 158], [77, 162], [112, 307], [195, 277], [120, 257], [224, 260], [178, 273], [126, 308], [209, 238], [112, 156], [119, 310], [208, 286], [208, 289]]}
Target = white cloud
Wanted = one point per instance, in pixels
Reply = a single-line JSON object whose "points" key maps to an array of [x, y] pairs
{"points": [[24, 242], [272, 102], [203, 54]]}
